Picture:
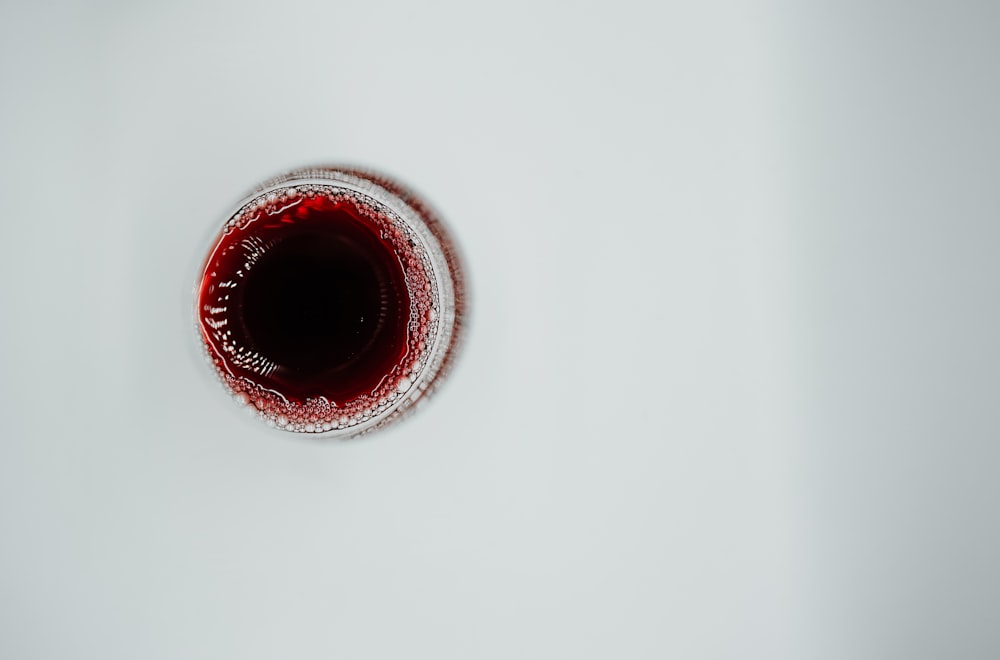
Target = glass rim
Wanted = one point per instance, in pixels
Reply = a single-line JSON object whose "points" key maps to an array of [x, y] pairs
{"points": [[448, 292]]}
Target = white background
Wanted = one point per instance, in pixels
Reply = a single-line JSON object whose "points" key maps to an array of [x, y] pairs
{"points": [[732, 385]]}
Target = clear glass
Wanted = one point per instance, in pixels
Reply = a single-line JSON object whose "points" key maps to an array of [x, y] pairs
{"points": [[439, 320]]}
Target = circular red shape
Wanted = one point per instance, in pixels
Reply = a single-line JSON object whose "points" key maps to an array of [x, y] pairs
{"points": [[330, 302], [313, 300]]}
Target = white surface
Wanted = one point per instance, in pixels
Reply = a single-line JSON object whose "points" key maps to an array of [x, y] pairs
{"points": [[731, 388]]}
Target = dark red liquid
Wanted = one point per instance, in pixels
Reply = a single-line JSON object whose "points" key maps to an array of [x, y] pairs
{"points": [[308, 300], [331, 302]]}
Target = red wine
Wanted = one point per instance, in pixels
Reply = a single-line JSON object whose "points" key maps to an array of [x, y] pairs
{"points": [[331, 304]]}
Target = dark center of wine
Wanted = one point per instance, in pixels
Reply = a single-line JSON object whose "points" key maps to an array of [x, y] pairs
{"points": [[316, 303]]}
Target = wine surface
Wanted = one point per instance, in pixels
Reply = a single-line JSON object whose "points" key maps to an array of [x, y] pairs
{"points": [[317, 306]]}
